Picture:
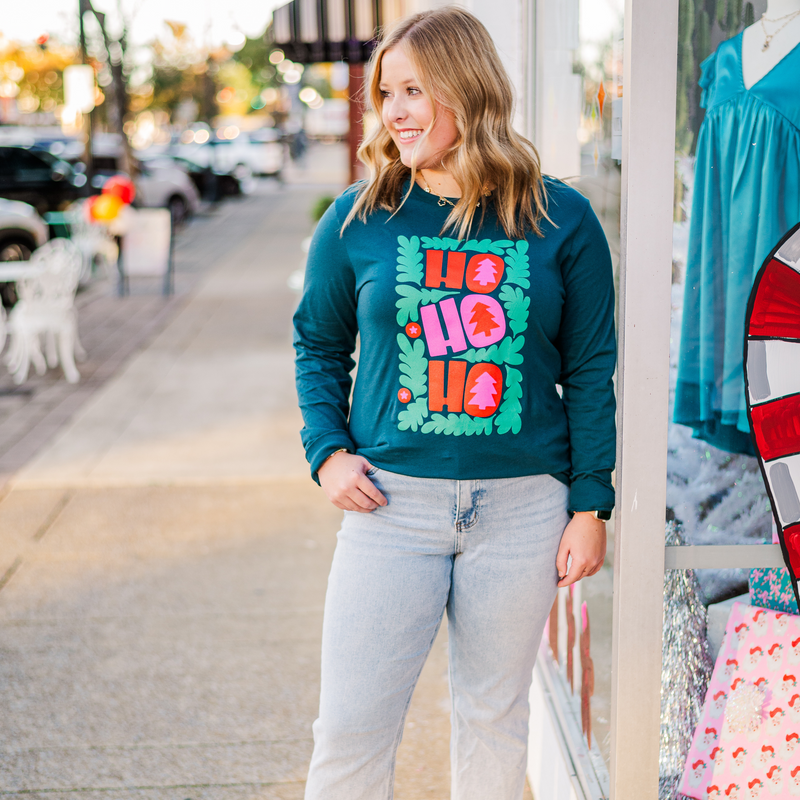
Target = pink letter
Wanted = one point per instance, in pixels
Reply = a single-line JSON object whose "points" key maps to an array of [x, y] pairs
{"points": [[437, 344]]}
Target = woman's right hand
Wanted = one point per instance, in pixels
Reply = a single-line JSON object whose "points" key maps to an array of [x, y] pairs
{"points": [[344, 479]]}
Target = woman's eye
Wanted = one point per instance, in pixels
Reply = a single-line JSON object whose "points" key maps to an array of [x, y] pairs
{"points": [[413, 90], [384, 93]]}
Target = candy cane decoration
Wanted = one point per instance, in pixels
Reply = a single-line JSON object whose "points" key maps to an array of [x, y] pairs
{"points": [[772, 385]]}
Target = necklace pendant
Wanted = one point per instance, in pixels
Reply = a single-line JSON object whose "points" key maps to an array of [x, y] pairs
{"points": [[442, 202], [766, 45]]}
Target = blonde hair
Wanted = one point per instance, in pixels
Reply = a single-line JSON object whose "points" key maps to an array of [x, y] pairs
{"points": [[458, 68]]}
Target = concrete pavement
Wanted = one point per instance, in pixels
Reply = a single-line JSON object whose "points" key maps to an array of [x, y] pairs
{"points": [[163, 563]]}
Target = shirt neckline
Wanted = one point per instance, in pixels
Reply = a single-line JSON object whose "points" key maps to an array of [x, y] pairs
{"points": [[431, 198]]}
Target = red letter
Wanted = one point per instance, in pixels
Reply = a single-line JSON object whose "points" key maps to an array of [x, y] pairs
{"points": [[456, 378], [456, 264]]}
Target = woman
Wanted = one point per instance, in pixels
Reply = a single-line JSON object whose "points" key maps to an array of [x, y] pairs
{"points": [[468, 478]]}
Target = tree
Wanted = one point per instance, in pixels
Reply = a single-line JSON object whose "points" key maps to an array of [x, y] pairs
{"points": [[112, 59], [485, 272], [482, 318], [484, 392]]}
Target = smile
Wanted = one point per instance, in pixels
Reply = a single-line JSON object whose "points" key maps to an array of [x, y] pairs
{"points": [[407, 135]]}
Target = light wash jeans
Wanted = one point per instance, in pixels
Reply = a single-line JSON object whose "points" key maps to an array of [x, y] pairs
{"points": [[485, 550]]}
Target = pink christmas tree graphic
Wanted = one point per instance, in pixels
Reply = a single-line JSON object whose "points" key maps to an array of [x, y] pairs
{"points": [[484, 392], [485, 272], [483, 319]]}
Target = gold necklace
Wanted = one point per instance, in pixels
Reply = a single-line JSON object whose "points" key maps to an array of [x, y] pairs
{"points": [[443, 201], [768, 37]]}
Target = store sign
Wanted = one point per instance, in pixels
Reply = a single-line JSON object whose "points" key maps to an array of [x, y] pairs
{"points": [[146, 243]]}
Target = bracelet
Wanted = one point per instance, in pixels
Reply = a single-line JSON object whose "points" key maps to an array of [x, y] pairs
{"points": [[340, 450]]}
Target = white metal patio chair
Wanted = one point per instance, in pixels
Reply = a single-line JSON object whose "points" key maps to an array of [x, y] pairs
{"points": [[96, 245], [46, 310]]}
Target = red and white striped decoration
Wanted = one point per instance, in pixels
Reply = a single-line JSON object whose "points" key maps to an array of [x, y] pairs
{"points": [[772, 378]]}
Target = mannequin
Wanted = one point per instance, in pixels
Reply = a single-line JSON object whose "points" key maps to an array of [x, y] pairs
{"points": [[756, 61], [746, 197]]}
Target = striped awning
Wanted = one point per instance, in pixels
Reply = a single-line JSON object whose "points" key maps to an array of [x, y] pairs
{"points": [[311, 31]]}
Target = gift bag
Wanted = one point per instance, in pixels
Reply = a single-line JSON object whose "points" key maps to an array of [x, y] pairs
{"points": [[745, 745]]}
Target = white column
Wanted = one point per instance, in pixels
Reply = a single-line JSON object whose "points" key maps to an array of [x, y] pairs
{"points": [[648, 156], [510, 24], [557, 100]]}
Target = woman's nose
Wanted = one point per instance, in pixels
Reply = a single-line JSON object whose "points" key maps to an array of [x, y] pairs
{"points": [[396, 110]]}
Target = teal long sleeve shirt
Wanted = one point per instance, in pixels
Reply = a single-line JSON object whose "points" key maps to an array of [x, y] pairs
{"points": [[479, 358]]}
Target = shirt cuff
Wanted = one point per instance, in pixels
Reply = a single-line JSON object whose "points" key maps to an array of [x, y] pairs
{"points": [[325, 446], [592, 492]]}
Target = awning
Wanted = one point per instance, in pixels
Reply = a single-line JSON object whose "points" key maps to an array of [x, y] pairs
{"points": [[311, 31]]}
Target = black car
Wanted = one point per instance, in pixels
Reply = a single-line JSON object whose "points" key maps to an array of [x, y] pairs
{"points": [[39, 178]]}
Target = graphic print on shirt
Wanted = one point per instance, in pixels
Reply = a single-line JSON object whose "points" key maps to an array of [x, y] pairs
{"points": [[462, 312]]}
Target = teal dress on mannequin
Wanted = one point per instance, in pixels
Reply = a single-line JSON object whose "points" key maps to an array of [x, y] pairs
{"points": [[746, 196]]}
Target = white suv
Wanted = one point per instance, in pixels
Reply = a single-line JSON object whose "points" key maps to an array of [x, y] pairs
{"points": [[22, 230], [260, 152]]}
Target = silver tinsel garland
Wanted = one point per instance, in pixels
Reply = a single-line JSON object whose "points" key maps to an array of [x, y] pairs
{"points": [[685, 672]]}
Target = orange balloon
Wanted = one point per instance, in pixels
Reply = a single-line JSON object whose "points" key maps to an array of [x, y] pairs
{"points": [[120, 186], [105, 207], [87, 207]]}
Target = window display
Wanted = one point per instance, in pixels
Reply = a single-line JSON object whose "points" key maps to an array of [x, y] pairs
{"points": [[737, 196], [746, 196], [737, 193]]}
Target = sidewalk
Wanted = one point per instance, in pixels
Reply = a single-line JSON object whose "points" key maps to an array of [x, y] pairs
{"points": [[112, 329], [163, 561]]}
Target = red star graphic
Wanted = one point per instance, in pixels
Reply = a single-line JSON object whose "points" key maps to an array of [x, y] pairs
{"points": [[404, 395], [413, 330]]}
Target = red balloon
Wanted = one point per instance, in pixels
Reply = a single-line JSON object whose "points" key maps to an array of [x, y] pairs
{"points": [[120, 186]]}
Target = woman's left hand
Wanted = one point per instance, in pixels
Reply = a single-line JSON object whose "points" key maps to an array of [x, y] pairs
{"points": [[584, 539]]}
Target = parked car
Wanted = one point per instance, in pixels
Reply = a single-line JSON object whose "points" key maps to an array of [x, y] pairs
{"points": [[269, 154], [22, 230], [39, 178], [257, 153], [157, 186], [227, 184]]}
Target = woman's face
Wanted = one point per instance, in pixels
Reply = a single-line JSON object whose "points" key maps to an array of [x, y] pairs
{"points": [[407, 113]]}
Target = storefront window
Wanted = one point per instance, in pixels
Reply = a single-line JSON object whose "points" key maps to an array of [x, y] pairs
{"points": [[578, 101], [733, 367], [727, 219]]}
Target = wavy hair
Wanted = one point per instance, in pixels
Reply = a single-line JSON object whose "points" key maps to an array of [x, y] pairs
{"points": [[457, 66]]}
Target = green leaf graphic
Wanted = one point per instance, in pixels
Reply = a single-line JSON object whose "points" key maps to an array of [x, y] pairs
{"points": [[507, 352], [508, 416], [488, 246], [409, 260], [458, 425], [517, 305], [517, 261], [413, 365], [437, 243], [411, 298], [413, 415]]}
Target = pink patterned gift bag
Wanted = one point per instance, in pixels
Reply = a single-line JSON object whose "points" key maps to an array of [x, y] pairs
{"points": [[746, 744]]}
